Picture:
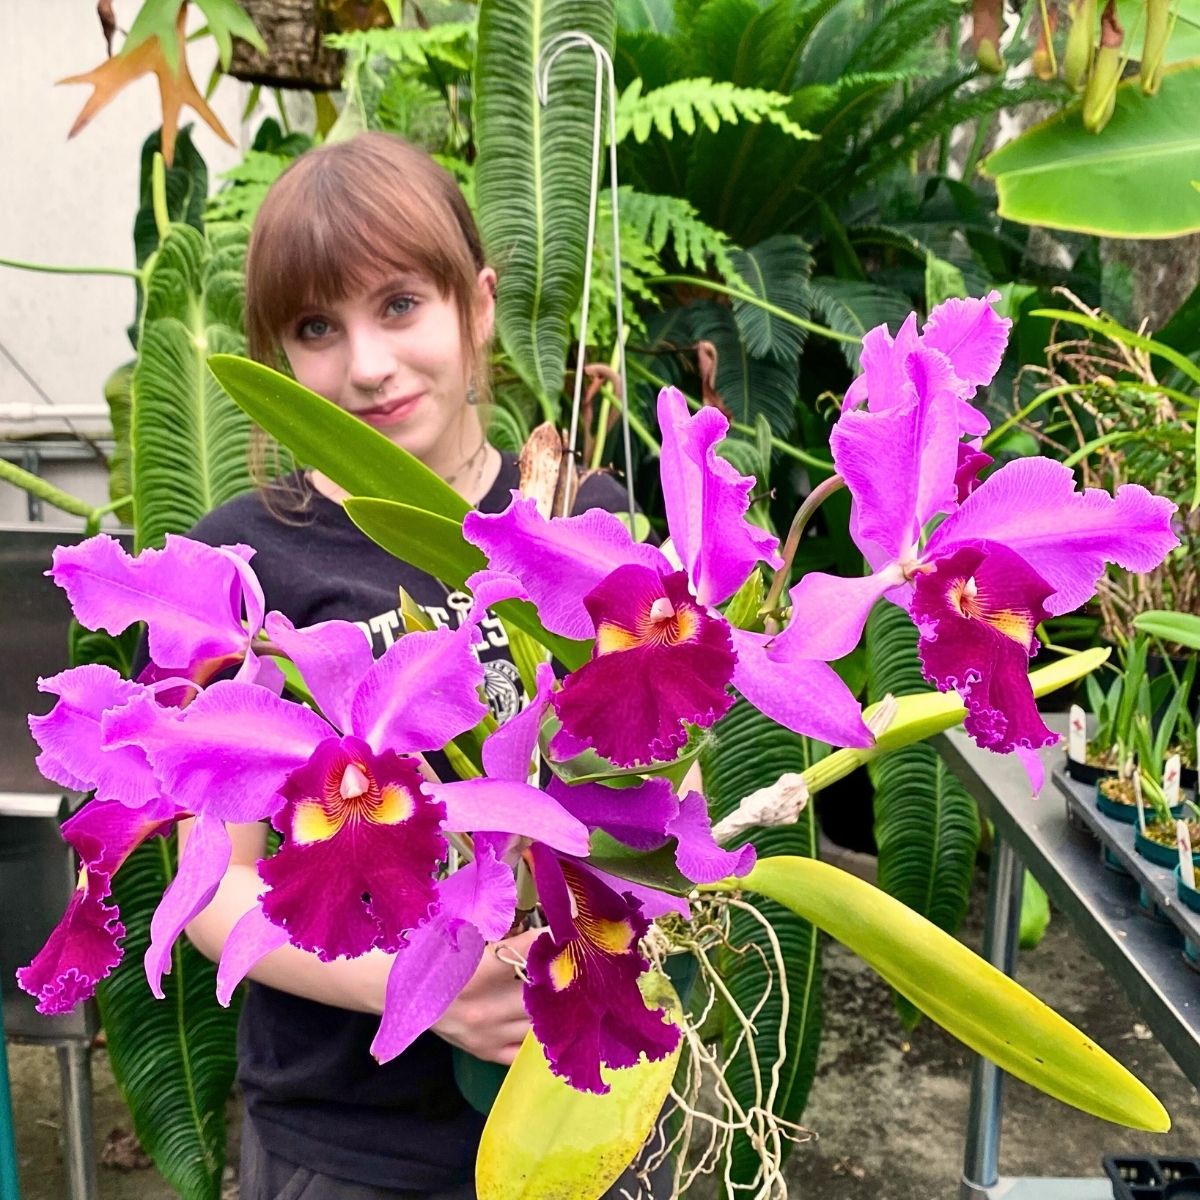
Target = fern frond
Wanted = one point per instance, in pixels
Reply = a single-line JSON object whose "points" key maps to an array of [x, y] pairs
{"points": [[657, 220], [246, 185], [850, 306], [687, 103], [448, 42]]}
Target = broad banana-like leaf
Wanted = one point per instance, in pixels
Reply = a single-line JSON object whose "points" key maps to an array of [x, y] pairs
{"points": [[543, 1138], [926, 825], [1139, 177], [976, 1002], [355, 456], [188, 441], [749, 751], [532, 174], [174, 1059], [436, 544]]}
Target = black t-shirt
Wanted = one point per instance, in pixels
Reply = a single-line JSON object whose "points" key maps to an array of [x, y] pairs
{"points": [[314, 1092]]}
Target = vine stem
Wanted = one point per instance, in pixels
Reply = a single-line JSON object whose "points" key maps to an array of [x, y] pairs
{"points": [[50, 269], [804, 514]]}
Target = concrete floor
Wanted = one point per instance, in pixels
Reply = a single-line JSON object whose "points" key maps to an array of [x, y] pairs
{"points": [[889, 1110]]}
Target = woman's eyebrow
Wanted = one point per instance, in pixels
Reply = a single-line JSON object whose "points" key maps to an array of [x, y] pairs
{"points": [[399, 281]]}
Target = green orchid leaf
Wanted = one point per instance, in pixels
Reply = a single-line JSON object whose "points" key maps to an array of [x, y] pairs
{"points": [[1134, 179], [355, 456], [544, 1138], [976, 1002], [436, 544], [653, 868], [1181, 628]]}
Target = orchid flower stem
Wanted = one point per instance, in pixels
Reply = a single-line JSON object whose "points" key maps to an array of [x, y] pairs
{"points": [[804, 514], [809, 460], [606, 394]]}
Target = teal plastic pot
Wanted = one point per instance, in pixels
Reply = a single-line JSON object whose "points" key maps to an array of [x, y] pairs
{"points": [[1189, 897], [1125, 812], [1156, 852]]}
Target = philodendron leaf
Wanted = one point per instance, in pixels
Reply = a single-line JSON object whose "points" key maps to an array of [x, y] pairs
{"points": [[543, 1138], [355, 456], [979, 1004]]}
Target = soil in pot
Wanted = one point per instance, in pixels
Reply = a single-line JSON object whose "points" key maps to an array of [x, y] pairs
{"points": [[1158, 842], [1115, 798]]}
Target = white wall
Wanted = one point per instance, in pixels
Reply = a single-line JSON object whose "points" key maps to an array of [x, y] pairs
{"points": [[73, 203]]}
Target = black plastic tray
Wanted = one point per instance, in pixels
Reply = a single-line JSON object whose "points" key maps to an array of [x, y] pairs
{"points": [[1147, 1177]]}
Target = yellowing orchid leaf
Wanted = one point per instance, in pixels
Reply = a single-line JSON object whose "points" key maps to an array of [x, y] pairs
{"points": [[175, 88], [976, 1002], [543, 1138]]}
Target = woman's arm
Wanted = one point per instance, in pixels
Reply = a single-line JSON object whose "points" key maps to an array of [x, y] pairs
{"points": [[487, 1018]]}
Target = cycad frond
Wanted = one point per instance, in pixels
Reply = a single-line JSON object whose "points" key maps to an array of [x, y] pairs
{"points": [[903, 37], [448, 42], [657, 220], [686, 103], [776, 271], [849, 306]]}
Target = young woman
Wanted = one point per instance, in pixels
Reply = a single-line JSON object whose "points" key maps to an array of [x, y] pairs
{"points": [[366, 277]]}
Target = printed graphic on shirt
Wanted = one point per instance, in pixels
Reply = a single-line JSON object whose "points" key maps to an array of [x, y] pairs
{"points": [[502, 684]]}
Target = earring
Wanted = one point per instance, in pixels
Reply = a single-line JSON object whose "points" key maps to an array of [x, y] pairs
{"points": [[472, 394]]}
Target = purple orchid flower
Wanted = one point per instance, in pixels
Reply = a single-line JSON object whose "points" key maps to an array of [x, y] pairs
{"points": [[194, 632], [363, 835], [1020, 547], [84, 947], [663, 657], [582, 996]]}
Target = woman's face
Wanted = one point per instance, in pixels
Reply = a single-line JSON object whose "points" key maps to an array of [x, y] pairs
{"points": [[393, 355]]}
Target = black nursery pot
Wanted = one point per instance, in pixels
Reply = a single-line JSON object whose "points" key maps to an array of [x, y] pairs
{"points": [[1083, 772]]}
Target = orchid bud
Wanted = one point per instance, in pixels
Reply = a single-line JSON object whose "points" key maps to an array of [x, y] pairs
{"points": [[1077, 57], [1100, 98], [1158, 28]]}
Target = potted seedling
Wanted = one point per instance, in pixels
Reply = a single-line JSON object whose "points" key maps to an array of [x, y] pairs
{"points": [[1156, 796], [1110, 746]]}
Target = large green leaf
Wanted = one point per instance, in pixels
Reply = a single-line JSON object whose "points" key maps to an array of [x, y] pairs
{"points": [[543, 1138], [776, 271], [1185, 37], [926, 825], [355, 456], [174, 1059], [1181, 628], [750, 752], [532, 174], [1138, 178], [976, 1002], [188, 441]]}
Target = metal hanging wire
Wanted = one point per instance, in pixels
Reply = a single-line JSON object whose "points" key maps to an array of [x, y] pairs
{"points": [[558, 45]]}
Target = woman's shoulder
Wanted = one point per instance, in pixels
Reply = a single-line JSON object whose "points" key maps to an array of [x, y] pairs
{"points": [[602, 489]]}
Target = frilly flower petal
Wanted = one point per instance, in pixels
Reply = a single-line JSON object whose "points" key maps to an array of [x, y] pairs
{"points": [[582, 997], [976, 614], [505, 806], [559, 561], [659, 661], [362, 845], [972, 335], [706, 502], [508, 752], [249, 941], [1065, 536], [697, 856], [69, 736]]}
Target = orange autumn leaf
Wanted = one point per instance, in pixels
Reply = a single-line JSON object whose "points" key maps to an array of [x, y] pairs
{"points": [[174, 87]]}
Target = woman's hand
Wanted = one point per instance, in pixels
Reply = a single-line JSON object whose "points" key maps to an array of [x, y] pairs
{"points": [[487, 1018]]}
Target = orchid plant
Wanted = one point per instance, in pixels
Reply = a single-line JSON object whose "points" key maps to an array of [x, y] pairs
{"points": [[376, 853]]}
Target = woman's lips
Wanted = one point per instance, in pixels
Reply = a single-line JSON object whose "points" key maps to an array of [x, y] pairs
{"points": [[390, 412]]}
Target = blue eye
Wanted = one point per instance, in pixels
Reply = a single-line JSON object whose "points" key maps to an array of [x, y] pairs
{"points": [[312, 328], [401, 306]]}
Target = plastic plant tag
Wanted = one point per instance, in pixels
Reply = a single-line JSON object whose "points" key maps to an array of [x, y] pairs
{"points": [[1170, 781], [1077, 735], [1187, 869], [1137, 798]]}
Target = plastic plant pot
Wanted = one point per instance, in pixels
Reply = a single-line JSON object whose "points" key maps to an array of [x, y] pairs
{"points": [[1189, 897], [1120, 811], [1084, 772], [1157, 852]]}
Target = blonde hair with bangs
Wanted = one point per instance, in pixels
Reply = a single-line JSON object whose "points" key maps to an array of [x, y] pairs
{"points": [[340, 216]]}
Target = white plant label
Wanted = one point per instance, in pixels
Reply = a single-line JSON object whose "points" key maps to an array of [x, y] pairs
{"points": [[1187, 869], [1077, 735], [1141, 807], [1170, 781]]}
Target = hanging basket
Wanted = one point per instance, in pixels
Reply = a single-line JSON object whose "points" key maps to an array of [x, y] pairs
{"points": [[296, 57]]}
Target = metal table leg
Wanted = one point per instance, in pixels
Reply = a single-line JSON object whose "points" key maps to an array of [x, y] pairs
{"points": [[1001, 930], [75, 1069]]}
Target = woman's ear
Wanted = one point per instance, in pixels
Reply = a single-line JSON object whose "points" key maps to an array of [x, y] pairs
{"points": [[486, 280]]}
